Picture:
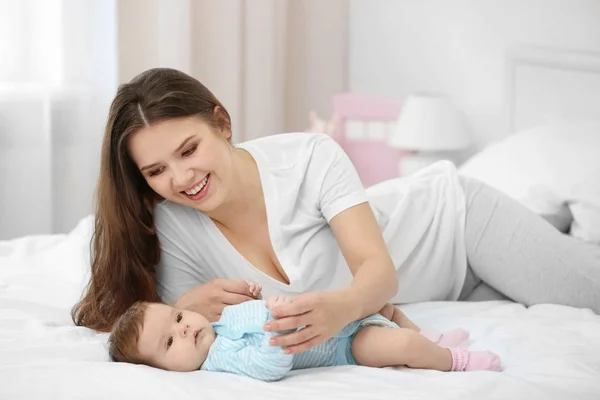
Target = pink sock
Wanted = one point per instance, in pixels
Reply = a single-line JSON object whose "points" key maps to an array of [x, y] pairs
{"points": [[464, 360], [454, 338]]}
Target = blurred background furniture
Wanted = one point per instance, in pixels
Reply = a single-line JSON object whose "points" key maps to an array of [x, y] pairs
{"points": [[429, 129], [362, 125]]}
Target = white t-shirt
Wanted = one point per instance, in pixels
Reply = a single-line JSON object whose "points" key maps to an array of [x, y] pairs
{"points": [[307, 179]]}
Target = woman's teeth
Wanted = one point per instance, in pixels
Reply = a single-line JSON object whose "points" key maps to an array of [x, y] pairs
{"points": [[198, 187]]}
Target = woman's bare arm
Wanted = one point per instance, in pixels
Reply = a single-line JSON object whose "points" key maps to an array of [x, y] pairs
{"points": [[362, 245]]}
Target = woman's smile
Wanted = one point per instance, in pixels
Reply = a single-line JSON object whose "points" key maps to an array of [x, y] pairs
{"points": [[199, 190]]}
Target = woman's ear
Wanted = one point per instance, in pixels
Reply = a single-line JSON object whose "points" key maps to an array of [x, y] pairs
{"points": [[223, 121]]}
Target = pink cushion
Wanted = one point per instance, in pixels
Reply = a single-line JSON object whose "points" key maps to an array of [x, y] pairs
{"points": [[373, 158]]}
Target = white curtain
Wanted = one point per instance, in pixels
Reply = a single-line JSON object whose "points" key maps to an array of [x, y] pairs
{"points": [[57, 73], [269, 61]]}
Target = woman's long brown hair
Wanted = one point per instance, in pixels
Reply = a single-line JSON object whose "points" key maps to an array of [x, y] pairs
{"points": [[125, 248]]}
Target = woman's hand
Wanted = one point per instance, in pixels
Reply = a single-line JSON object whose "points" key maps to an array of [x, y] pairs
{"points": [[321, 314], [210, 299]]}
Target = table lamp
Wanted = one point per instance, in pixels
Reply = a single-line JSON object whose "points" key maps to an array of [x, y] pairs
{"points": [[429, 128]]}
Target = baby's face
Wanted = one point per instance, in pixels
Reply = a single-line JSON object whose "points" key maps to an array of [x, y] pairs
{"points": [[175, 340]]}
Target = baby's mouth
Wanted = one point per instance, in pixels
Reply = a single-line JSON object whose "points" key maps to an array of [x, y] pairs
{"points": [[196, 337]]}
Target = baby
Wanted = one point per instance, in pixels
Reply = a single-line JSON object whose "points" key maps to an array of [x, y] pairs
{"points": [[179, 340]]}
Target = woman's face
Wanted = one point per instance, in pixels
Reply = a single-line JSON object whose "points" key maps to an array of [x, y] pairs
{"points": [[185, 160]]}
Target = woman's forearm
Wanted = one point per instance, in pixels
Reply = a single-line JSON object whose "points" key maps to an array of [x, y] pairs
{"points": [[190, 300], [374, 284]]}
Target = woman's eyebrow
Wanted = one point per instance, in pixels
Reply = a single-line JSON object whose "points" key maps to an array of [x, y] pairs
{"points": [[176, 150], [183, 143]]}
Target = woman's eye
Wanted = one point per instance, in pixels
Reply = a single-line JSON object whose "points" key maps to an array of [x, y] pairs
{"points": [[179, 317], [189, 151], [157, 171], [169, 342]]}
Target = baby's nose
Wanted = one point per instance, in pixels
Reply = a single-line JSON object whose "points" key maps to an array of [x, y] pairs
{"points": [[185, 330]]}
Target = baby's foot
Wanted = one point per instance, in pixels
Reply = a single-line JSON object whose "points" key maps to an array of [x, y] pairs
{"points": [[255, 289], [454, 338], [464, 360]]}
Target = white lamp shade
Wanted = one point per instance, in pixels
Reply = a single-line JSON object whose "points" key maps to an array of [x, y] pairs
{"points": [[430, 123]]}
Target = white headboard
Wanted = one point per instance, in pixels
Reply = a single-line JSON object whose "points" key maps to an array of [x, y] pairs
{"points": [[546, 85]]}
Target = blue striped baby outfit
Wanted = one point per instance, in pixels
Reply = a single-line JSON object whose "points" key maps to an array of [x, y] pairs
{"points": [[242, 346]]}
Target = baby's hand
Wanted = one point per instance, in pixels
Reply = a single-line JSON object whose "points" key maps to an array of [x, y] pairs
{"points": [[276, 301], [255, 288]]}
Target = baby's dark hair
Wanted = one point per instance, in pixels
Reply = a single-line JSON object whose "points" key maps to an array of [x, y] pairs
{"points": [[123, 339]]}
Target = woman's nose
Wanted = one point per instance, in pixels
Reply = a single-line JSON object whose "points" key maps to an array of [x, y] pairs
{"points": [[182, 177]]}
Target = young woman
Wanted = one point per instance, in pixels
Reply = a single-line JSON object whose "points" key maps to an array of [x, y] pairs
{"points": [[185, 216]]}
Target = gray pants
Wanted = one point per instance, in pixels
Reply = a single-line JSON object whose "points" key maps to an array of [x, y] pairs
{"points": [[515, 254]]}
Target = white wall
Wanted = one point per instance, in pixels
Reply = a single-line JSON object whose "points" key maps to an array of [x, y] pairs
{"points": [[458, 48]]}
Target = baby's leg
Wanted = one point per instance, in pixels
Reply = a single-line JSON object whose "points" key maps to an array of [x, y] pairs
{"points": [[376, 346], [402, 320], [455, 337]]}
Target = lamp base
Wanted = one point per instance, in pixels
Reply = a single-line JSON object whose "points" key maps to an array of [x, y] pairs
{"points": [[413, 162]]}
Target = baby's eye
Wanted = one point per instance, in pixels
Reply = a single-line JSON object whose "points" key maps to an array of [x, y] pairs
{"points": [[179, 317], [169, 342]]}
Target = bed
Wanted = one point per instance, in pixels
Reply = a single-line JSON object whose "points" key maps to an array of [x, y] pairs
{"points": [[548, 351]]}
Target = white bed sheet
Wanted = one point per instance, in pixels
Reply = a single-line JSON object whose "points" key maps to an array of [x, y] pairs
{"points": [[548, 352]]}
